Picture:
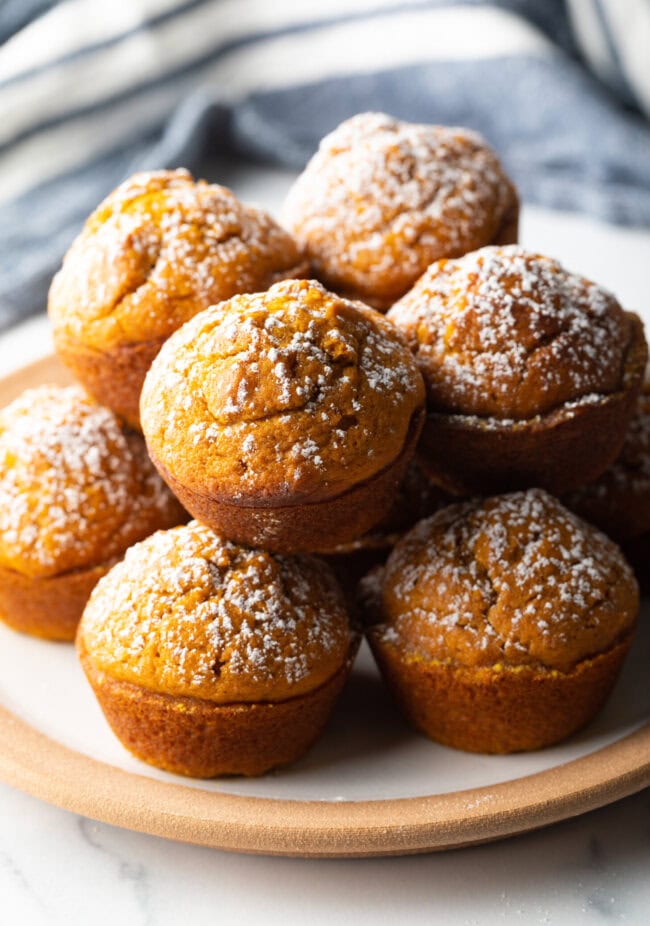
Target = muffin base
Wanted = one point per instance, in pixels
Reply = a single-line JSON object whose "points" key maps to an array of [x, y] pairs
{"points": [[114, 378], [304, 526], [47, 607], [559, 451], [202, 739], [498, 710]]}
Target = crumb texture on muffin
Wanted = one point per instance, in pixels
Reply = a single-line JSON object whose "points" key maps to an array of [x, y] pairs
{"points": [[508, 333], [187, 613], [382, 199], [511, 581], [76, 489], [156, 251], [290, 393]]}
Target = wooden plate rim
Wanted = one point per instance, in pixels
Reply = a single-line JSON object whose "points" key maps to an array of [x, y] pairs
{"points": [[49, 770]]}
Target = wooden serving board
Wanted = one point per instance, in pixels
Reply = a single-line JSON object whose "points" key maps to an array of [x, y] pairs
{"points": [[69, 758]]}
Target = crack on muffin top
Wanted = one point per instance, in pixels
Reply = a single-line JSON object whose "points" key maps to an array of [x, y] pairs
{"points": [[159, 249], [382, 199], [510, 334], [513, 580], [185, 601], [290, 391], [76, 488]]}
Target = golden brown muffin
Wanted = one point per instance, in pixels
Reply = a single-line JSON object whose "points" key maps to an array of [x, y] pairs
{"points": [[76, 489], [501, 625], [159, 249], [532, 372], [208, 658], [285, 419], [382, 199]]}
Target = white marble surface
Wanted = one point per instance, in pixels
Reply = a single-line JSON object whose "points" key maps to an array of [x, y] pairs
{"points": [[56, 867]]}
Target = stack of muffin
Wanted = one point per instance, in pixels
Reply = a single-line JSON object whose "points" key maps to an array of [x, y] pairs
{"points": [[310, 436]]}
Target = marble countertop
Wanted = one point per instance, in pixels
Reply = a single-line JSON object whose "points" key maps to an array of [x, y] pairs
{"points": [[56, 867]]}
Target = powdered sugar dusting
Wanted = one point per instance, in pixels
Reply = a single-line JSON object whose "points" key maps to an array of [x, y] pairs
{"points": [[381, 199], [75, 488], [294, 380], [514, 579], [509, 333], [160, 249], [189, 613]]}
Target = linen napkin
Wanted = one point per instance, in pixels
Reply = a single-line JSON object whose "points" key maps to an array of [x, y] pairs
{"points": [[91, 91]]}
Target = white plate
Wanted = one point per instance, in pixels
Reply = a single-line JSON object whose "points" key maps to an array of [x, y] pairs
{"points": [[370, 786]]}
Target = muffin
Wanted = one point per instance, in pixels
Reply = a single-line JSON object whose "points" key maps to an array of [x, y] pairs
{"points": [[285, 419], [76, 489], [532, 372], [209, 658], [383, 199], [159, 249], [501, 625]]}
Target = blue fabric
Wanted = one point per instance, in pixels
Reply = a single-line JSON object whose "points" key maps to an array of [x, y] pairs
{"points": [[568, 141], [16, 14]]}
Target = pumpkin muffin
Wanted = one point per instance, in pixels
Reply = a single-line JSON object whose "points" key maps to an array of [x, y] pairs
{"points": [[382, 199], [209, 658], [156, 251], [501, 625], [285, 419], [76, 489], [532, 372]]}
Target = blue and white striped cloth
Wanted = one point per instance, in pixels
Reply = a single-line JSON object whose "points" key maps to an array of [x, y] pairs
{"points": [[92, 90]]}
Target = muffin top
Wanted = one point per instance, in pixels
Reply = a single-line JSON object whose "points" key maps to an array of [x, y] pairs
{"points": [[619, 501], [187, 613], [290, 394], [507, 333], [156, 251], [76, 489], [382, 199], [512, 580]]}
